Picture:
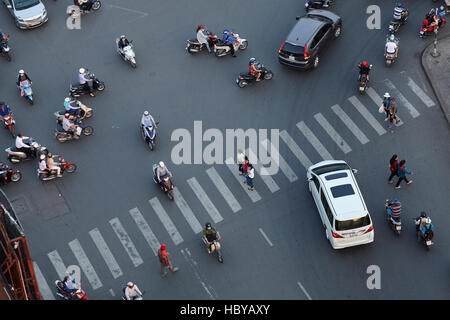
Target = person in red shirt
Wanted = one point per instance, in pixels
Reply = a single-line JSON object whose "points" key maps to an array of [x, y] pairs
{"points": [[393, 166], [165, 262], [253, 71]]}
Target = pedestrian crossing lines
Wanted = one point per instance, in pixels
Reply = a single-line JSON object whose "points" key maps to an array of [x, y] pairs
{"points": [[167, 213]]}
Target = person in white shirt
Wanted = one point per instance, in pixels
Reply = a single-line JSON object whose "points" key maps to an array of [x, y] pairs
{"points": [[132, 291], [203, 37], [391, 46], [84, 80], [147, 120], [240, 159], [22, 146], [69, 126], [42, 163]]}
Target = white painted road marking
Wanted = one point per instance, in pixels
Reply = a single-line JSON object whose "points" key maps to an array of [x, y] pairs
{"points": [[145, 229], [267, 179], [301, 156], [304, 291], [336, 137], [166, 221], [254, 195], [223, 189], [283, 165], [418, 91], [350, 124], [379, 101], [44, 290], [85, 264], [186, 211], [105, 253], [312, 139], [58, 264], [265, 237], [204, 199], [398, 96], [126, 242], [367, 115]]}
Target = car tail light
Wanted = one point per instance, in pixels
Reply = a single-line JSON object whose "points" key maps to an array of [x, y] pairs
{"points": [[368, 230], [279, 50], [335, 235], [305, 54]]}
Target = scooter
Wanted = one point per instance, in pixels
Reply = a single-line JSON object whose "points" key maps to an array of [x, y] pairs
{"points": [[149, 135], [96, 4], [396, 224], [5, 49], [125, 298], [26, 91], [317, 4], [8, 175], [193, 46], [127, 54], [46, 175], [85, 112], [390, 56], [63, 136], [16, 156], [77, 89], [79, 294], [245, 78], [221, 49], [362, 79], [9, 123], [165, 185], [217, 252], [427, 241]]}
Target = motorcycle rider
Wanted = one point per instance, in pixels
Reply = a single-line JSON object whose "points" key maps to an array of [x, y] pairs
{"points": [[123, 42], [394, 209], [68, 126], [203, 37], [42, 163], [252, 69], [420, 220], [72, 106], [84, 79], [147, 121], [391, 45], [400, 13], [364, 68], [85, 5], [22, 146], [162, 171], [5, 110], [132, 291], [209, 235], [52, 165], [426, 228], [229, 39], [70, 286], [22, 76]]}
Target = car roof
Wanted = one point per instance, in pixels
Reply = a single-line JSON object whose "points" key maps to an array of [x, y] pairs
{"points": [[303, 30]]}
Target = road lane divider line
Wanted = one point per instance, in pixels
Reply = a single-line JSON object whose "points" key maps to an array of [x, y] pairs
{"points": [[418, 91], [204, 200], [267, 179], [398, 96], [85, 264], [44, 289], [379, 101], [127, 244], [145, 230], [166, 221], [350, 124], [186, 211], [295, 149], [279, 160], [336, 137], [58, 264], [106, 254], [304, 291], [265, 237], [314, 141], [223, 189], [367, 115], [253, 195]]}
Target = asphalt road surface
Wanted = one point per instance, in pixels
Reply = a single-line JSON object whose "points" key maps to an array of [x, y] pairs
{"points": [[108, 217]]}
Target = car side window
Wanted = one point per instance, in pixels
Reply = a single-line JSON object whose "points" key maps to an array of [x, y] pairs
{"points": [[326, 207], [316, 182]]}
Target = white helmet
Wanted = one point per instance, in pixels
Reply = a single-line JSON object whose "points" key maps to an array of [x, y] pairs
{"points": [[122, 36], [82, 70], [161, 164], [42, 157], [146, 113], [387, 95], [21, 71], [427, 220], [67, 99], [130, 284]]}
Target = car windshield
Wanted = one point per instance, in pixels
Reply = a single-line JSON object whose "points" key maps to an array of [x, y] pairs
{"points": [[25, 4], [352, 224], [291, 48], [330, 168]]}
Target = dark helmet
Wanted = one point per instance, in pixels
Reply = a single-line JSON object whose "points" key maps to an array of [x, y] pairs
{"points": [[208, 225], [423, 214], [66, 278]]}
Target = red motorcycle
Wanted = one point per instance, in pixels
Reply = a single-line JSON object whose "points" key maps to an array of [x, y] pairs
{"points": [[193, 46], [9, 123], [428, 28], [7, 174], [52, 174]]}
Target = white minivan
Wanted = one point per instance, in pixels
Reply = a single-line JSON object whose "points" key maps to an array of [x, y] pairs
{"points": [[341, 206]]}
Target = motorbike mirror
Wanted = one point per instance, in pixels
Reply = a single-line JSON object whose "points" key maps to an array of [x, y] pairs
{"points": [[297, 18], [8, 6], [354, 171]]}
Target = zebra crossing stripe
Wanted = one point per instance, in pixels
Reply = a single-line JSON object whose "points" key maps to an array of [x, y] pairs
{"points": [[85, 264], [312, 139], [336, 137], [301, 156], [186, 211], [350, 124], [44, 289], [396, 93], [270, 183], [279, 160], [126, 242], [105, 253], [254, 195], [166, 221], [145, 229], [204, 199], [367, 115], [379, 101], [223, 189], [57, 263], [418, 91]]}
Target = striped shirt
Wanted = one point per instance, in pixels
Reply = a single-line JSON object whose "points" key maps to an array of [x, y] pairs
{"points": [[396, 209]]}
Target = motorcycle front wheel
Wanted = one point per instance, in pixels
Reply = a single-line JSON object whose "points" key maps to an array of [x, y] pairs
{"points": [[16, 176], [87, 131], [101, 87], [71, 168], [268, 75], [96, 5], [243, 45], [8, 56]]}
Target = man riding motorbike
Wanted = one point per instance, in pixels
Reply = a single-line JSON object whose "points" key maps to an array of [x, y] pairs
{"points": [[71, 106], [364, 68], [420, 220], [209, 235], [426, 228], [229, 39], [132, 291], [85, 5], [162, 171], [203, 37], [147, 120], [400, 13], [5, 110], [69, 126], [123, 42], [394, 209], [52, 165], [391, 45], [252, 69], [84, 79], [42, 163], [22, 146]]}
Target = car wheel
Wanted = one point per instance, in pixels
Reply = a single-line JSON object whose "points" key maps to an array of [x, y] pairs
{"points": [[316, 62], [337, 32]]}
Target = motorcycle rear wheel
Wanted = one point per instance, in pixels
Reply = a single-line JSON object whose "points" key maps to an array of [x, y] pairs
{"points": [[71, 168], [87, 131], [96, 5], [16, 176]]}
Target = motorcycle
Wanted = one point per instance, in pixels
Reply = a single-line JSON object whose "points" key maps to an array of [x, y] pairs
{"points": [[79, 294], [16, 156], [5, 49], [85, 112], [362, 78], [390, 56], [395, 24], [427, 240], [96, 4], [125, 298], [194, 46], [149, 135], [217, 252], [52, 174], [127, 54], [7, 174], [165, 185], [26, 91], [77, 89], [9, 123], [316, 4], [395, 223], [63, 136], [245, 78], [428, 29], [221, 49]]}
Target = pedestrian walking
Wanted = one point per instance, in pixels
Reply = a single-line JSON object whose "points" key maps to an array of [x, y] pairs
{"points": [[240, 159], [393, 113], [249, 175], [386, 104], [402, 174], [393, 166], [163, 256]]}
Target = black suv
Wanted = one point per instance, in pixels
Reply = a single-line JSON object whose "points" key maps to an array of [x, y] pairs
{"points": [[307, 38]]}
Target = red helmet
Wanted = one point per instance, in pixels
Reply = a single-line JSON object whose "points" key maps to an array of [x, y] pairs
{"points": [[200, 26], [163, 247], [67, 115], [364, 64]]}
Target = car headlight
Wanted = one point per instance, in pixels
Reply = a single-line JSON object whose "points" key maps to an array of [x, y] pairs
{"points": [[20, 20], [44, 12]]}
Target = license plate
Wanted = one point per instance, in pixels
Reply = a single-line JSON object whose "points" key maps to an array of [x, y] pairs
{"points": [[429, 243], [361, 88], [292, 58], [398, 227]]}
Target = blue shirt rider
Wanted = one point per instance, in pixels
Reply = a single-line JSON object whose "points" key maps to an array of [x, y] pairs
{"points": [[229, 40], [4, 109]]}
